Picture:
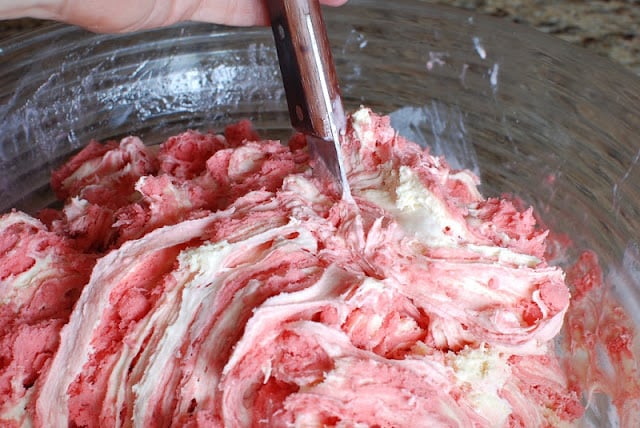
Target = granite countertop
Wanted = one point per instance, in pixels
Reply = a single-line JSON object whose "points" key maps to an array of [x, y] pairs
{"points": [[608, 27]]}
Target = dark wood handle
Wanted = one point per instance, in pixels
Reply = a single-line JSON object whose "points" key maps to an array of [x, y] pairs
{"points": [[308, 73]]}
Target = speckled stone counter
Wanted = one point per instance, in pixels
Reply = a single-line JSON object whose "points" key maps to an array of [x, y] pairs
{"points": [[607, 27], [610, 28]]}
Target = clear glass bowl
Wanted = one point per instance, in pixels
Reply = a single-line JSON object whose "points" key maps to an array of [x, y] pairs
{"points": [[534, 116]]}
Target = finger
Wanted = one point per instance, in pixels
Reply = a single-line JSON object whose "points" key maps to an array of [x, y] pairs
{"points": [[131, 15], [240, 12], [116, 16], [333, 2], [232, 12]]}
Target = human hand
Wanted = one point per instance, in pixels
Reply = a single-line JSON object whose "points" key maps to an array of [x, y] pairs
{"points": [[130, 15]]}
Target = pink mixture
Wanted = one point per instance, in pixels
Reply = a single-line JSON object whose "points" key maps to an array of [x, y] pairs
{"points": [[214, 281]]}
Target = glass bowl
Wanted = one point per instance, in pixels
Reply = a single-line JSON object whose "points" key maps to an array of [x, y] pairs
{"points": [[534, 116]]}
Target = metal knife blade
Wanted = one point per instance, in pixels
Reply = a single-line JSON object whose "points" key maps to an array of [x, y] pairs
{"points": [[310, 82]]}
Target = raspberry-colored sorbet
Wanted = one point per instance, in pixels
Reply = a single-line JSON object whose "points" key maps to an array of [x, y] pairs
{"points": [[214, 281]]}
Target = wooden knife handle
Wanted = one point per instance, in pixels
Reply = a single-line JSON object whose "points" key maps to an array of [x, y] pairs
{"points": [[308, 73]]}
